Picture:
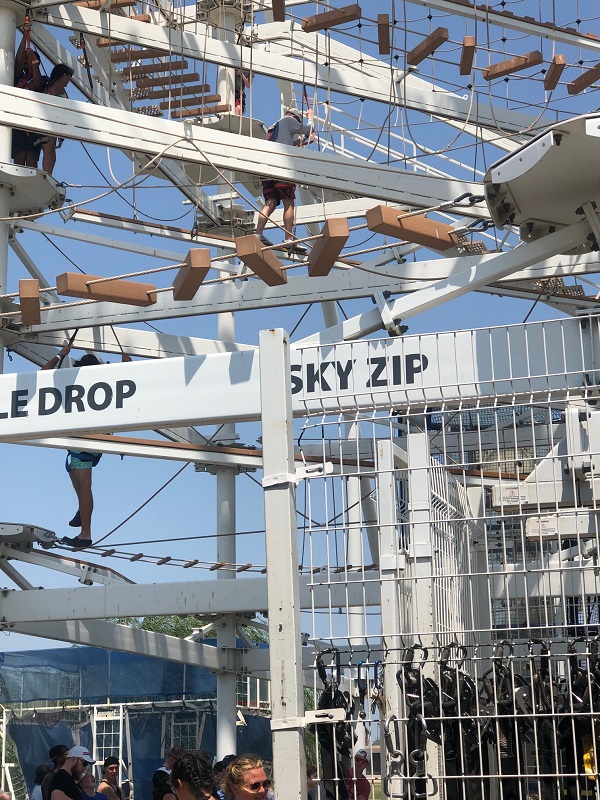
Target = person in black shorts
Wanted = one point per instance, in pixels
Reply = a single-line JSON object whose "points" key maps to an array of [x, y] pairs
{"points": [[24, 150], [63, 785]]}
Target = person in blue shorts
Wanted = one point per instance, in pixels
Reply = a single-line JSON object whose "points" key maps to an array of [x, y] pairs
{"points": [[79, 464]]}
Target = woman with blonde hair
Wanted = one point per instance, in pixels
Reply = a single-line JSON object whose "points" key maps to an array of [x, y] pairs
{"points": [[246, 779]]}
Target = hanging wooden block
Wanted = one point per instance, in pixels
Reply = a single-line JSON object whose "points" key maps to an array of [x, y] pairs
{"points": [[278, 7], [77, 284], [198, 89], [329, 19], [513, 65], [383, 34], [189, 277], [585, 80], [417, 229], [428, 46], [29, 295], [555, 70], [467, 55], [152, 69], [327, 249], [264, 263]]}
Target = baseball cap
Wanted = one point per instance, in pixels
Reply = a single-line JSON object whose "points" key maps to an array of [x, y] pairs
{"points": [[81, 752], [57, 751], [362, 753], [295, 113]]}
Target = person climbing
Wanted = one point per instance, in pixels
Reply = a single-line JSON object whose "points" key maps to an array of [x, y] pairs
{"points": [[24, 151], [243, 81], [79, 464], [55, 86], [288, 130]]}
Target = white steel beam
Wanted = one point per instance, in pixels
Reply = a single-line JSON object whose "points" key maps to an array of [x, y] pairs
{"points": [[183, 597], [467, 280], [31, 268], [193, 143], [116, 244], [410, 91], [530, 27], [230, 296], [85, 572]]}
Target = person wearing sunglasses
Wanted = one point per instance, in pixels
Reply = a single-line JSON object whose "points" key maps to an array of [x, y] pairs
{"points": [[246, 779], [192, 778]]}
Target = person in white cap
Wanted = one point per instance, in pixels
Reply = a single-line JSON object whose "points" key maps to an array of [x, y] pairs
{"points": [[63, 785], [288, 130], [358, 785]]}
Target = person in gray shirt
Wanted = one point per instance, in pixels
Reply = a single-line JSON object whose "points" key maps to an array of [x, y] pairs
{"points": [[288, 130]]}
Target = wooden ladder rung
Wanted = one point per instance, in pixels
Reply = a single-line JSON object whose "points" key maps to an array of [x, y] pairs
{"points": [[198, 89], [428, 46], [511, 65], [177, 102], [149, 69], [202, 111], [120, 56], [168, 80], [555, 70], [329, 19]]}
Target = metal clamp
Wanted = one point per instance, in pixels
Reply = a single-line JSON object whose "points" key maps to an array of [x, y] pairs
{"points": [[301, 473], [329, 716]]}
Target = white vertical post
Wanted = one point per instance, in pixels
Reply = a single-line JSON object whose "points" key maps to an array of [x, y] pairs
{"points": [[391, 567], [226, 552], [285, 647], [8, 27]]}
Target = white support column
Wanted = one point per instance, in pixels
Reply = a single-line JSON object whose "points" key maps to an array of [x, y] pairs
{"points": [[226, 551], [287, 701], [8, 27]]}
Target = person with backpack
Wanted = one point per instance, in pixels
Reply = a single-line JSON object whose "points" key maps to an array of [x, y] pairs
{"points": [[287, 130]]}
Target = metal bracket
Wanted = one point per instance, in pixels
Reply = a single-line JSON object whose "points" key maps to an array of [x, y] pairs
{"points": [[386, 315], [300, 474], [328, 716]]}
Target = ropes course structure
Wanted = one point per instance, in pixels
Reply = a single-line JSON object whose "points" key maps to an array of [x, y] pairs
{"points": [[415, 501]]}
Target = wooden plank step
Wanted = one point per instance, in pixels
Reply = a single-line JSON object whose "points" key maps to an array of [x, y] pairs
{"points": [[428, 46], [177, 102], [511, 65], [555, 70], [120, 56], [264, 263], [586, 79], [467, 55], [151, 69], [329, 19], [383, 34], [76, 284], [179, 113], [168, 80], [176, 91]]}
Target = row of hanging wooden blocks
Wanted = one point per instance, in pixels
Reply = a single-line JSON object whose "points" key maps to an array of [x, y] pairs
{"points": [[190, 276]]}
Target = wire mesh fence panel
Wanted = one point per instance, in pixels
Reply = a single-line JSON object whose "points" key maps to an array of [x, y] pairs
{"points": [[449, 563]]}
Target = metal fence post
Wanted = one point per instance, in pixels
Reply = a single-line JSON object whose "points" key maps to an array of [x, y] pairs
{"points": [[285, 648]]}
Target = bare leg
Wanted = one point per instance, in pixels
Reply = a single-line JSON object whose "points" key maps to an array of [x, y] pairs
{"points": [[49, 156], [19, 158], [82, 483], [267, 210], [288, 219], [31, 160]]}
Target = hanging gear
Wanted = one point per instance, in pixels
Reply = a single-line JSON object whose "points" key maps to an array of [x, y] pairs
{"points": [[335, 741], [394, 781], [462, 762], [543, 719], [377, 693], [497, 693], [422, 699]]}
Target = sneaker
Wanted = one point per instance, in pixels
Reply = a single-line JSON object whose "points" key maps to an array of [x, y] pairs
{"points": [[265, 241], [76, 521], [294, 247], [76, 542]]}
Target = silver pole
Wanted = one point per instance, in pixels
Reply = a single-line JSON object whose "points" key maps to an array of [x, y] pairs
{"points": [[285, 648]]}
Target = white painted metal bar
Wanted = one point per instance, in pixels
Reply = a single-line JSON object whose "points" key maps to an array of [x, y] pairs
{"points": [[460, 283], [285, 646], [199, 145]]}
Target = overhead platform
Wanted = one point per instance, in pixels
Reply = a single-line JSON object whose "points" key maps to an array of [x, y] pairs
{"points": [[22, 533], [544, 185], [31, 190]]}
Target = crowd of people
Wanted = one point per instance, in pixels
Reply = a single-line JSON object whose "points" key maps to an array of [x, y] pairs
{"points": [[183, 776]]}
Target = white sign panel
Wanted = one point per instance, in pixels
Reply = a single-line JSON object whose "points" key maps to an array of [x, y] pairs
{"points": [[523, 361]]}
